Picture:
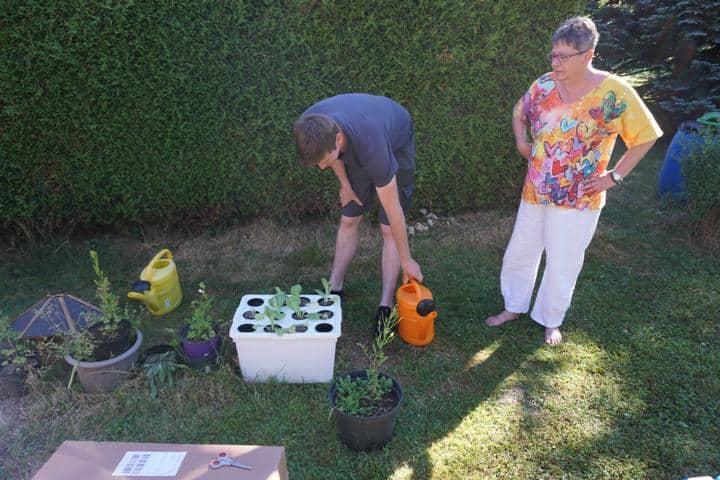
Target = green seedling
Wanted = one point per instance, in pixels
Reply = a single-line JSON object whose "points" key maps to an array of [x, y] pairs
{"points": [[325, 292], [273, 310], [294, 303]]}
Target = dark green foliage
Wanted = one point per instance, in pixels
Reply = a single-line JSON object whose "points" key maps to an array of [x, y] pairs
{"points": [[677, 41], [159, 370], [702, 179], [116, 112]]}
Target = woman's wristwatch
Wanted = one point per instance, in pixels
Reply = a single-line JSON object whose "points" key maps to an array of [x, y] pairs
{"points": [[616, 177]]}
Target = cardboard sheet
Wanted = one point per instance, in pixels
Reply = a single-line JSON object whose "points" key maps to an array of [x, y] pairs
{"points": [[75, 460]]}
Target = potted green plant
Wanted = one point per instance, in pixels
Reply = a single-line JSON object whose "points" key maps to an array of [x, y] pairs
{"points": [[200, 338], [366, 402], [104, 353], [17, 358]]}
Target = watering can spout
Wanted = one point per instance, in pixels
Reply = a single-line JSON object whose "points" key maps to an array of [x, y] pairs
{"points": [[151, 303], [159, 285]]}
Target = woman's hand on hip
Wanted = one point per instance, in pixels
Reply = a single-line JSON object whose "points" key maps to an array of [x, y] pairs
{"points": [[598, 183]]}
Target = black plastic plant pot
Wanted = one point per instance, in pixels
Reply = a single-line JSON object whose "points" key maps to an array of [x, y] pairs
{"points": [[12, 377], [365, 434], [12, 382]]}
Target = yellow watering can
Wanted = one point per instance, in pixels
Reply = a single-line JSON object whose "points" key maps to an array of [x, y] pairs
{"points": [[159, 285]]}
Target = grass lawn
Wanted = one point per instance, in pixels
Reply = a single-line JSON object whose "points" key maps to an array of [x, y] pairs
{"points": [[631, 394]]}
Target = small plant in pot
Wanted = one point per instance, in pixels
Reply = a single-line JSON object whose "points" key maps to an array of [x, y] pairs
{"points": [[366, 402], [18, 358], [103, 355], [200, 338]]}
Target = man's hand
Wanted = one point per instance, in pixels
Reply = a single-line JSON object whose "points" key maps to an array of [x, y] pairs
{"points": [[525, 149], [347, 195], [596, 184], [412, 269]]}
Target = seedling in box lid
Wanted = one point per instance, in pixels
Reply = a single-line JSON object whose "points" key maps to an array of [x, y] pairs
{"points": [[273, 311], [295, 303], [327, 298]]}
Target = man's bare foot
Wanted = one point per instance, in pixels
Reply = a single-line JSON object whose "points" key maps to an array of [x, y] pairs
{"points": [[500, 318], [553, 336]]}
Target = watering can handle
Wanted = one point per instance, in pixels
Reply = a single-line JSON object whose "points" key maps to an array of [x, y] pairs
{"points": [[710, 118], [415, 284], [161, 254]]}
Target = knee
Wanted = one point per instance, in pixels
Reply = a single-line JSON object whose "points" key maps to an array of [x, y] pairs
{"points": [[350, 223]]}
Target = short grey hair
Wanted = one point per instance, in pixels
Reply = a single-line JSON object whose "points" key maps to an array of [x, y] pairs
{"points": [[578, 32]]}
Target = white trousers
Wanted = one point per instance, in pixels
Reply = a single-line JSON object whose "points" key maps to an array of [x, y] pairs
{"points": [[564, 234]]}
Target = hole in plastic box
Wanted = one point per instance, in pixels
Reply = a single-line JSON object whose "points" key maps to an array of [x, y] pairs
{"points": [[325, 314], [326, 303], [255, 302], [246, 327], [301, 316], [300, 328], [324, 327], [304, 301], [271, 328], [250, 314]]}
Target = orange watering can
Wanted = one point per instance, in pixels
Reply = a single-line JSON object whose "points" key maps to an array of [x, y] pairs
{"points": [[416, 309], [159, 285]]}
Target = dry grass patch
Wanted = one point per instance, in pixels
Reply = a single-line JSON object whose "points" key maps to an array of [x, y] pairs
{"points": [[475, 229]]}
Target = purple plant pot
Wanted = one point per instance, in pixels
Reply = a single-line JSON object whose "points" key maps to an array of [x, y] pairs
{"points": [[199, 349]]}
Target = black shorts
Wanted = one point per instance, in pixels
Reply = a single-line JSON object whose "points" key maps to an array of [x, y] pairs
{"points": [[366, 192]]}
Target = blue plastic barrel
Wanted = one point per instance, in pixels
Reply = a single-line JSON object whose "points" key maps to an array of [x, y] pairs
{"points": [[687, 138]]}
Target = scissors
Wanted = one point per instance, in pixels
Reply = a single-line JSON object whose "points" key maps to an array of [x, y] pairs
{"points": [[223, 460]]}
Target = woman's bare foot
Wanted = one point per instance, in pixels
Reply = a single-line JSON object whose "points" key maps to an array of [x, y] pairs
{"points": [[500, 318], [553, 336]]}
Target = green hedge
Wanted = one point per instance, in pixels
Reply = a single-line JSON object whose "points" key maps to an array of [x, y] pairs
{"points": [[116, 112], [701, 170]]}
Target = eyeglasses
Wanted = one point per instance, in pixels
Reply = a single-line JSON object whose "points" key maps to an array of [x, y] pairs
{"points": [[563, 58]]}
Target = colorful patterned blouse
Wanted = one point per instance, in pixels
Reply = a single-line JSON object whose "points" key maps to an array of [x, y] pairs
{"points": [[574, 141]]}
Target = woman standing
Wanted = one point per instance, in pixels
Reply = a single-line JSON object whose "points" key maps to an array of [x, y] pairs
{"points": [[574, 114]]}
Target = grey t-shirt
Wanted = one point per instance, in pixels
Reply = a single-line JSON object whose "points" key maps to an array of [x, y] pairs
{"points": [[379, 133]]}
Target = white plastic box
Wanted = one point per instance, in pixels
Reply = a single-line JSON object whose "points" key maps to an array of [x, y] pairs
{"points": [[306, 356]]}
